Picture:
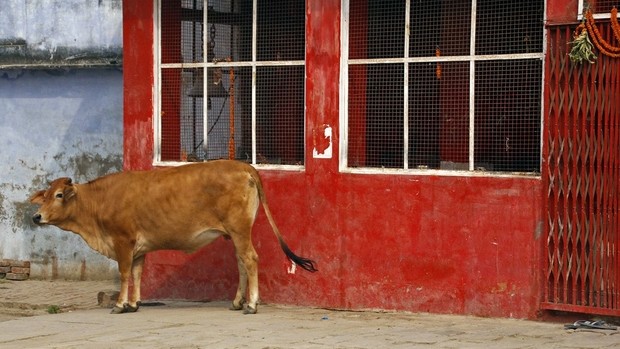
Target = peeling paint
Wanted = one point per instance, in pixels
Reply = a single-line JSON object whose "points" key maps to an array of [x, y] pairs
{"points": [[3, 214], [88, 166], [322, 142], [539, 230], [23, 216], [500, 288]]}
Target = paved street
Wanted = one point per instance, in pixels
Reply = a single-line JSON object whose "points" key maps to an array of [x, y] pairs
{"points": [[82, 324]]}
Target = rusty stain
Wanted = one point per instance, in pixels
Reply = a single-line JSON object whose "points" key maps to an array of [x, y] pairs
{"points": [[83, 270], [3, 214], [54, 267]]}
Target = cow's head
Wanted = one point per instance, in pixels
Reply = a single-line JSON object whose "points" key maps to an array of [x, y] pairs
{"points": [[54, 201]]}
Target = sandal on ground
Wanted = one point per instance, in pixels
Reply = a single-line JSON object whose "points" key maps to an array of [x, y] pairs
{"points": [[592, 325]]}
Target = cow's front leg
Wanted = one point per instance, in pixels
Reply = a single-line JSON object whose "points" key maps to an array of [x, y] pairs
{"points": [[136, 274], [125, 262]]}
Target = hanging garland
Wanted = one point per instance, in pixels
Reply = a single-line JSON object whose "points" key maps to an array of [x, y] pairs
{"points": [[614, 23], [582, 49]]}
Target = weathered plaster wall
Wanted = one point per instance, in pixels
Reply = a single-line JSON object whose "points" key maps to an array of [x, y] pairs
{"points": [[55, 123], [57, 118], [61, 32]]}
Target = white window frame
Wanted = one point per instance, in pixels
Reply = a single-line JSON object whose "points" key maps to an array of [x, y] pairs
{"points": [[254, 64], [472, 58], [581, 6]]}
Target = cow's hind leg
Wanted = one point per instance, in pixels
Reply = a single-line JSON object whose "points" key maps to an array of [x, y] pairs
{"points": [[242, 289], [249, 259]]}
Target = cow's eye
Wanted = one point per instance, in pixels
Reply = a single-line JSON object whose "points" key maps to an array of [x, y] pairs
{"points": [[58, 195]]}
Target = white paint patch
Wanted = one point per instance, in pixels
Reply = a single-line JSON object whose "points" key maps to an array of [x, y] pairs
{"points": [[327, 154], [292, 268]]}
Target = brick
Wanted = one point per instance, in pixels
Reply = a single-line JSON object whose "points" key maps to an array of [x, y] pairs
{"points": [[14, 263], [20, 270], [5, 270], [20, 264], [2, 275], [16, 277]]}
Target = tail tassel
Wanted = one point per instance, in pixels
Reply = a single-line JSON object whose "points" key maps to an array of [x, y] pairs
{"points": [[305, 263]]}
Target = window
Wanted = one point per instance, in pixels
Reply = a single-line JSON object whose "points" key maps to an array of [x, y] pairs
{"points": [[461, 90], [600, 8], [230, 81]]}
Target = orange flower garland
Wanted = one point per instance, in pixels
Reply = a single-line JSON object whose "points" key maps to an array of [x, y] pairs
{"points": [[614, 23], [603, 46]]}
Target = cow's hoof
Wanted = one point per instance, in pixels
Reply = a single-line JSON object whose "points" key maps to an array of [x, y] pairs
{"points": [[249, 310], [238, 306], [126, 308], [117, 310], [130, 309]]}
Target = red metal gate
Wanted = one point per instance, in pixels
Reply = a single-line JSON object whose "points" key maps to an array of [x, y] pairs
{"points": [[581, 160]]}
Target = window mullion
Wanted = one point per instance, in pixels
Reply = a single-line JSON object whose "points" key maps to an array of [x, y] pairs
{"points": [[472, 85], [205, 103], [406, 89], [157, 97], [254, 34]]}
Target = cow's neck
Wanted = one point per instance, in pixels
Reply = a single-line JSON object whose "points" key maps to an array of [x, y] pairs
{"points": [[87, 222]]}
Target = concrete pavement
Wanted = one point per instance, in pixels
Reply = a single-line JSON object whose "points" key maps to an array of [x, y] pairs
{"points": [[211, 325]]}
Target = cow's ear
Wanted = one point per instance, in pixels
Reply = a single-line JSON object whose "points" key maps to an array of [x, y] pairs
{"points": [[37, 198]]}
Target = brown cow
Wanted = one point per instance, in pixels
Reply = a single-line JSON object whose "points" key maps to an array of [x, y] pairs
{"points": [[128, 214]]}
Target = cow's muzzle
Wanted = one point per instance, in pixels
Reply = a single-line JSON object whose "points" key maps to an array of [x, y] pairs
{"points": [[37, 218]]}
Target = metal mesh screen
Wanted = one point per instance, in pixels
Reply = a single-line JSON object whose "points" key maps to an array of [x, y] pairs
{"points": [[443, 25], [208, 57], [385, 115], [507, 109], [509, 27], [446, 82], [436, 141], [602, 6], [280, 95]]}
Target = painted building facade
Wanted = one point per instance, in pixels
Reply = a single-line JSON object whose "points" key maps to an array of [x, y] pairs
{"points": [[451, 161]]}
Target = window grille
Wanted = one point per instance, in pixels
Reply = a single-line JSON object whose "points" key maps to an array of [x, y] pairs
{"points": [[231, 81], [599, 8], [461, 89]]}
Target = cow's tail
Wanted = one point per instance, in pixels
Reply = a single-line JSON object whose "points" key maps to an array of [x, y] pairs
{"points": [[305, 263]]}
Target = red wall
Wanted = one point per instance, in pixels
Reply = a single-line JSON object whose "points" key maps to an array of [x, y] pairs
{"points": [[420, 243], [562, 11]]}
